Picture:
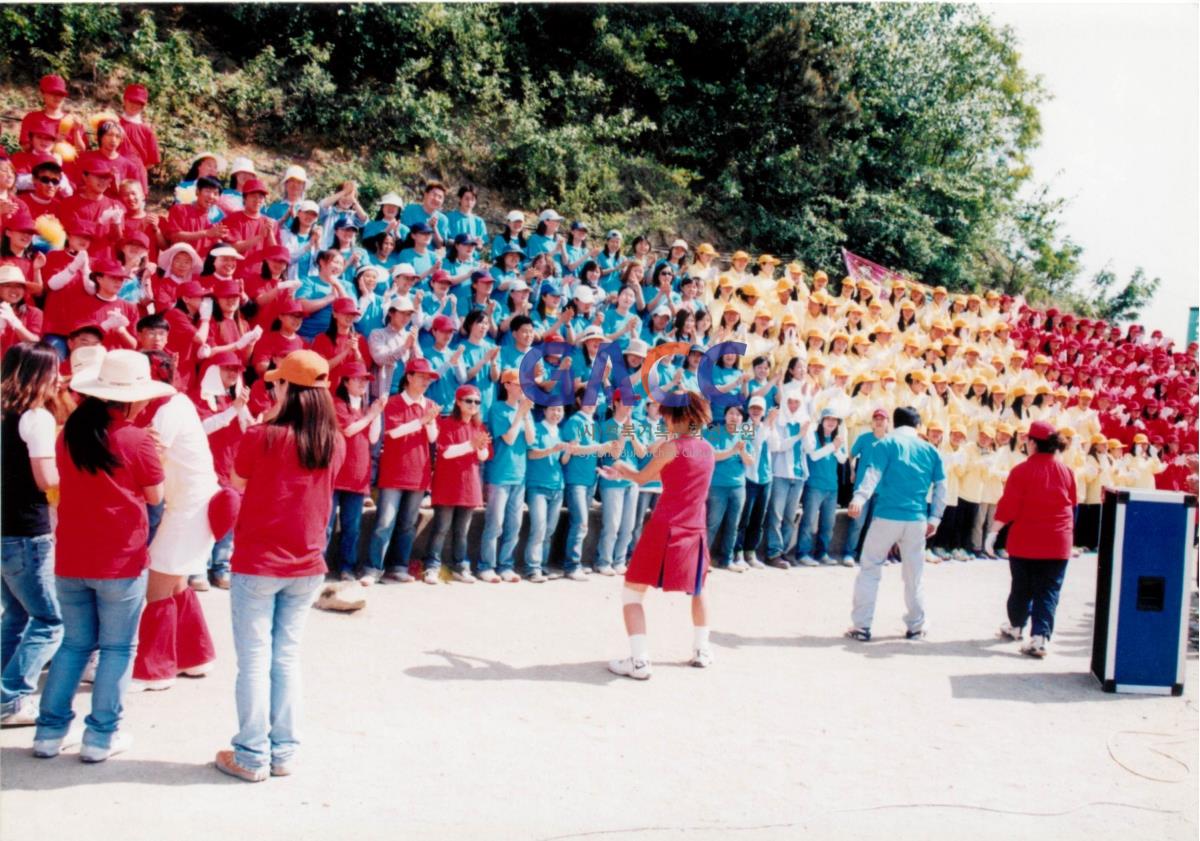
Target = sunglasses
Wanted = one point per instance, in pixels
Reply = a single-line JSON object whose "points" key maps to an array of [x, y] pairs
{"points": [[46, 179], [470, 401]]}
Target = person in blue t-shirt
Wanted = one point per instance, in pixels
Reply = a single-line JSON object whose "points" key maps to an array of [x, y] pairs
{"points": [[903, 470], [420, 255], [860, 459], [579, 476], [464, 222], [618, 497], [611, 262], [510, 423], [513, 234], [479, 358], [460, 262], [620, 322], [446, 362], [752, 524], [341, 205], [575, 252], [727, 493], [543, 491], [318, 290], [380, 246], [545, 239], [824, 449], [429, 212]]}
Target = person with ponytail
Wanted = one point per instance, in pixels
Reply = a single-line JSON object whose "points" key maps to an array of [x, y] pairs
{"points": [[109, 470], [285, 469]]}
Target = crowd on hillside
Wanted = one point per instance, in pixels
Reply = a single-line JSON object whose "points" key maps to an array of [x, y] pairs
{"points": [[151, 362]]}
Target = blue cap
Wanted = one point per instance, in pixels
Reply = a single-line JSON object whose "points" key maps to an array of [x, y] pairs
{"points": [[420, 228], [480, 274], [579, 225], [464, 239], [696, 349], [511, 248], [374, 228], [549, 287], [345, 222]]}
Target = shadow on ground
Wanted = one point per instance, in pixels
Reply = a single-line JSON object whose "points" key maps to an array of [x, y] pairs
{"points": [[23, 772], [466, 667]]}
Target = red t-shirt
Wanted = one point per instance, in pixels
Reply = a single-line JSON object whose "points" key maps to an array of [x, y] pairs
{"points": [[1039, 502], [37, 207], [243, 227], [181, 341], [275, 344], [140, 141], [456, 480], [79, 207], [280, 530], [404, 462], [188, 218], [31, 317], [222, 442], [355, 475], [76, 136], [102, 525]]}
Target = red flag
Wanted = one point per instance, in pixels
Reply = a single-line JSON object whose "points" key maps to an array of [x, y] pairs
{"points": [[860, 268]]}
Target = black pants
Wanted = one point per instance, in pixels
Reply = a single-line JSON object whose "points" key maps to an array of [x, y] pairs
{"points": [[444, 518], [1087, 527], [966, 522], [946, 536], [1035, 588]]}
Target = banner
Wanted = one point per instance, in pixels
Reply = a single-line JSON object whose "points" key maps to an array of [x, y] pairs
{"points": [[860, 268]]}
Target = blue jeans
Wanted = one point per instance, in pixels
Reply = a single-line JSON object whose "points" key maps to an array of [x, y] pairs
{"points": [[31, 626], [268, 617], [545, 506], [855, 529], [501, 524], [347, 510], [1034, 593], [447, 518], [822, 504], [222, 552], [579, 501], [619, 507], [154, 515], [753, 521], [781, 514], [724, 511], [97, 613], [395, 508]]}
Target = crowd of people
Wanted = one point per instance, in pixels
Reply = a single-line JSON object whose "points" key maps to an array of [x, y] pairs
{"points": [[521, 370]]}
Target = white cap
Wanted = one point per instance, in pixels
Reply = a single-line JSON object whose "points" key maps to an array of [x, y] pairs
{"points": [[680, 243], [515, 216], [518, 285], [592, 332], [637, 347], [402, 303], [403, 269], [584, 294], [226, 251], [308, 206], [549, 215], [759, 401], [295, 172], [391, 198], [242, 165], [662, 309], [202, 155], [793, 391]]}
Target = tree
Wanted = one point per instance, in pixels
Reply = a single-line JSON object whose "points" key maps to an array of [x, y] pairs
{"points": [[1116, 305]]}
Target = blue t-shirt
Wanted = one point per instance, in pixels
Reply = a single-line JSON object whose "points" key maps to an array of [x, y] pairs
{"points": [[414, 213], [822, 472], [421, 263], [458, 222], [610, 430], [730, 472], [441, 391], [545, 472], [863, 445], [614, 321], [610, 279], [650, 433], [316, 323], [582, 430], [507, 464], [908, 468], [539, 243]]}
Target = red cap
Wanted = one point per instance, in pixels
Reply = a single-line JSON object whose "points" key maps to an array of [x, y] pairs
{"points": [[290, 306], [253, 185], [77, 226], [20, 221], [345, 306], [193, 289], [41, 160], [106, 265], [1040, 431], [53, 84], [227, 289], [135, 238], [137, 93], [41, 124], [94, 163], [879, 413], [224, 359], [350, 370], [443, 324], [466, 391], [440, 276], [271, 252], [420, 365]]}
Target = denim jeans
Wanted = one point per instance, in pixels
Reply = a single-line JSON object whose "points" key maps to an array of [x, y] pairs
{"points": [[222, 552], [752, 523], [154, 515], [347, 511], [446, 518], [579, 503], [97, 613], [268, 616], [544, 507], [820, 512], [724, 512], [31, 626], [395, 508], [857, 527], [501, 524], [619, 506], [1035, 589], [781, 514]]}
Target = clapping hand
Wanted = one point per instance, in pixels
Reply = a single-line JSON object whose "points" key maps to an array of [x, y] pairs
{"points": [[854, 509], [480, 439], [432, 410]]}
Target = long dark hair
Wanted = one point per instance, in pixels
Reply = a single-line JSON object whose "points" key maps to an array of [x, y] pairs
{"points": [[308, 413], [29, 375], [86, 437]]}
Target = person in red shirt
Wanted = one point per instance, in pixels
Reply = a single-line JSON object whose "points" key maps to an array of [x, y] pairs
{"points": [[192, 224], [360, 425], [341, 343], [264, 277], [44, 199], [286, 469], [405, 470], [92, 203], [94, 300], [230, 330], [16, 247], [190, 320], [177, 265], [140, 138], [463, 443], [109, 137], [248, 229], [282, 339], [109, 470], [137, 220], [54, 94], [20, 321], [42, 132], [1039, 504]]}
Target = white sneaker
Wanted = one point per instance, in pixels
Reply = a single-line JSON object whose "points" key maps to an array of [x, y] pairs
{"points": [[89, 671], [827, 560], [605, 570], [1036, 647], [24, 713], [702, 659], [577, 575], [738, 566], [1008, 632], [464, 576], [431, 577], [398, 577], [488, 575], [50, 748], [509, 577], [619, 569], [753, 562], [847, 560], [151, 685], [120, 742], [370, 578], [636, 669], [807, 561]]}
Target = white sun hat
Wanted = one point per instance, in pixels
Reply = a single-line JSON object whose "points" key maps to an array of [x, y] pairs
{"points": [[123, 377]]}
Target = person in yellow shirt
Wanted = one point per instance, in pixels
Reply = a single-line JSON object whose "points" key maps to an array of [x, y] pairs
{"points": [[862, 405], [1120, 464], [1074, 456], [946, 541], [748, 296], [1097, 475], [790, 344], [795, 274], [783, 301], [814, 314], [723, 294], [738, 263], [706, 267], [766, 270], [1143, 464], [1082, 417], [995, 467], [971, 490]]}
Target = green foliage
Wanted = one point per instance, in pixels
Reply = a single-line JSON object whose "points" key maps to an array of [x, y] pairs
{"points": [[1114, 304], [899, 130]]}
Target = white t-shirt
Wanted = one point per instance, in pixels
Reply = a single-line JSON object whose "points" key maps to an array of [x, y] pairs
{"points": [[189, 477], [37, 429]]}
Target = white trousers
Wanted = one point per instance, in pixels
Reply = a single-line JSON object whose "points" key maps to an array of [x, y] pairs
{"points": [[881, 536]]}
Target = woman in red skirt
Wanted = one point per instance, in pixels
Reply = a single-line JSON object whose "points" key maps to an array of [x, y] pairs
{"points": [[672, 553]]}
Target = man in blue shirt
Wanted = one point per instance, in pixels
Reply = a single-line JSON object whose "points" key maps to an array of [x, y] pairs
{"points": [[901, 470]]}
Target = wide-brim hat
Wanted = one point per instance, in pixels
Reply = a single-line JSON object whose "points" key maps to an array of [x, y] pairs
{"points": [[124, 377]]}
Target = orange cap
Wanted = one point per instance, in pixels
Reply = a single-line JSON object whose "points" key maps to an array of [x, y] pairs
{"points": [[302, 367]]}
